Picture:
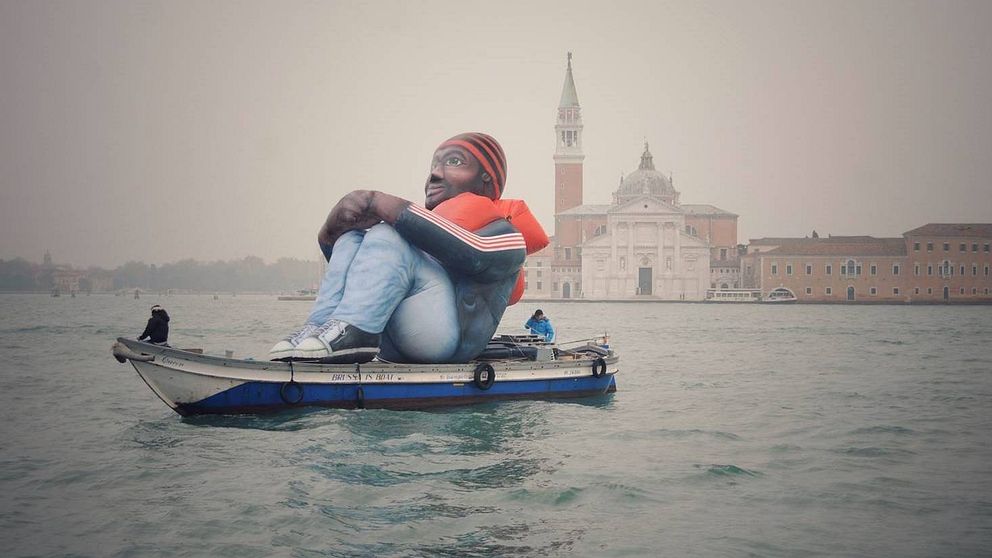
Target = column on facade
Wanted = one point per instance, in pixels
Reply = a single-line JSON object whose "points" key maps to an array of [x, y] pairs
{"points": [[631, 262], [613, 268], [660, 243]]}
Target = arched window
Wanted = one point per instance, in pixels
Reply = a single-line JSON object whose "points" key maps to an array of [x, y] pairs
{"points": [[851, 268]]}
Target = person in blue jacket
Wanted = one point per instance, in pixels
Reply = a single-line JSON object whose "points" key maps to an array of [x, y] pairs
{"points": [[539, 324], [416, 283]]}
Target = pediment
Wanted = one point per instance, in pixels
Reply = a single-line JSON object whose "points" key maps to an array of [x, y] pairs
{"points": [[646, 205]]}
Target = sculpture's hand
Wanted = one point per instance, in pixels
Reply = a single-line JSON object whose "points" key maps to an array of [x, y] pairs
{"points": [[360, 209], [352, 212]]}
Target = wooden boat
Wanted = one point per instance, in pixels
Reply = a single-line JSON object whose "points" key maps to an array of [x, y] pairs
{"points": [[512, 367]]}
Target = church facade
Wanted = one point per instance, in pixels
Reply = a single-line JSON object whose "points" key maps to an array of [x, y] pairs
{"points": [[646, 244]]}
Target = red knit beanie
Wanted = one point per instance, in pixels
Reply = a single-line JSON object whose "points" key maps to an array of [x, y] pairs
{"points": [[489, 154]]}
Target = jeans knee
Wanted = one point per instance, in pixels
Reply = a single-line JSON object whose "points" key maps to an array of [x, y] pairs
{"points": [[353, 238], [383, 244], [384, 233]]}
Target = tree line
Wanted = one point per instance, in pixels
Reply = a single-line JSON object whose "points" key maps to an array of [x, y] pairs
{"points": [[246, 274]]}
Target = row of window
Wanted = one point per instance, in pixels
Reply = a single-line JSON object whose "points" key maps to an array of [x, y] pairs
{"points": [[554, 286], [962, 247], [560, 269], [895, 291], [962, 290], [851, 269], [946, 269]]}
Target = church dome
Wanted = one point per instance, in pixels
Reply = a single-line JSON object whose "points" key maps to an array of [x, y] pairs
{"points": [[646, 181]]}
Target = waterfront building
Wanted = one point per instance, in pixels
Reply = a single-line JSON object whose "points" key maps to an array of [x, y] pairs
{"points": [[646, 244], [938, 262], [949, 262], [66, 279]]}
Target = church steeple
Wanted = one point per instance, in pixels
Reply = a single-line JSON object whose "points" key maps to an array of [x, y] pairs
{"points": [[568, 168], [569, 98], [569, 126]]}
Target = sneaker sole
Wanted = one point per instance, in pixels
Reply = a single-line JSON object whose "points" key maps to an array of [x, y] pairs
{"points": [[350, 356], [314, 354], [282, 355]]}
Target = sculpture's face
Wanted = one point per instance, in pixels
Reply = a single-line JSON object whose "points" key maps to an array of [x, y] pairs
{"points": [[454, 171]]}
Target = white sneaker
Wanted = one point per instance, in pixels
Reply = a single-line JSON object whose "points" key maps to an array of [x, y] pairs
{"points": [[286, 349], [339, 342]]}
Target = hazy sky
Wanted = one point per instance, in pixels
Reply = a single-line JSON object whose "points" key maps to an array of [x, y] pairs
{"points": [[156, 131]]}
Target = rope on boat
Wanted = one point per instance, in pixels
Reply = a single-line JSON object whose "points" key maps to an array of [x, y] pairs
{"points": [[123, 354], [360, 393]]}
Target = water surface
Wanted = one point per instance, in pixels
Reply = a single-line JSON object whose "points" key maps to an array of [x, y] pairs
{"points": [[736, 430]]}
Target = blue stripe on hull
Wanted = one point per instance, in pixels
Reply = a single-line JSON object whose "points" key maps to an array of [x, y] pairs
{"points": [[267, 396]]}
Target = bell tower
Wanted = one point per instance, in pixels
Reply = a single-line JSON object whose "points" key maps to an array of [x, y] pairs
{"points": [[568, 167]]}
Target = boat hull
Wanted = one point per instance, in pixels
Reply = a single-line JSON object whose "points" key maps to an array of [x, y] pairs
{"points": [[193, 384]]}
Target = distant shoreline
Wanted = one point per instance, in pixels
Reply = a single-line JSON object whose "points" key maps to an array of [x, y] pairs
{"points": [[709, 303], [282, 296]]}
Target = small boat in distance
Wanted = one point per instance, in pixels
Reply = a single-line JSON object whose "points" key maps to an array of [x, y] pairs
{"points": [[732, 295], [511, 367], [780, 295], [302, 294]]}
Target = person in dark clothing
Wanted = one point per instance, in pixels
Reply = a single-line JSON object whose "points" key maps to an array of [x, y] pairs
{"points": [[157, 330]]}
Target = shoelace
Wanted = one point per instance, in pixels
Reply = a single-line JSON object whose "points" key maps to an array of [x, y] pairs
{"points": [[306, 331], [330, 324]]}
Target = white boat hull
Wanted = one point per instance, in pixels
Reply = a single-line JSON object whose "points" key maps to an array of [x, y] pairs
{"points": [[194, 384]]}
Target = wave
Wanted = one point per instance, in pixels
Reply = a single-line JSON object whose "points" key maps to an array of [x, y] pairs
{"points": [[883, 429], [688, 433], [728, 470], [874, 451]]}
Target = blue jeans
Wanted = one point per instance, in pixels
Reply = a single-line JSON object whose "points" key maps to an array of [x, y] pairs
{"points": [[377, 282]]}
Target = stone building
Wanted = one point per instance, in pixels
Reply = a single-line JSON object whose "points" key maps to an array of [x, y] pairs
{"points": [[645, 244], [948, 262], [938, 262], [66, 280]]}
